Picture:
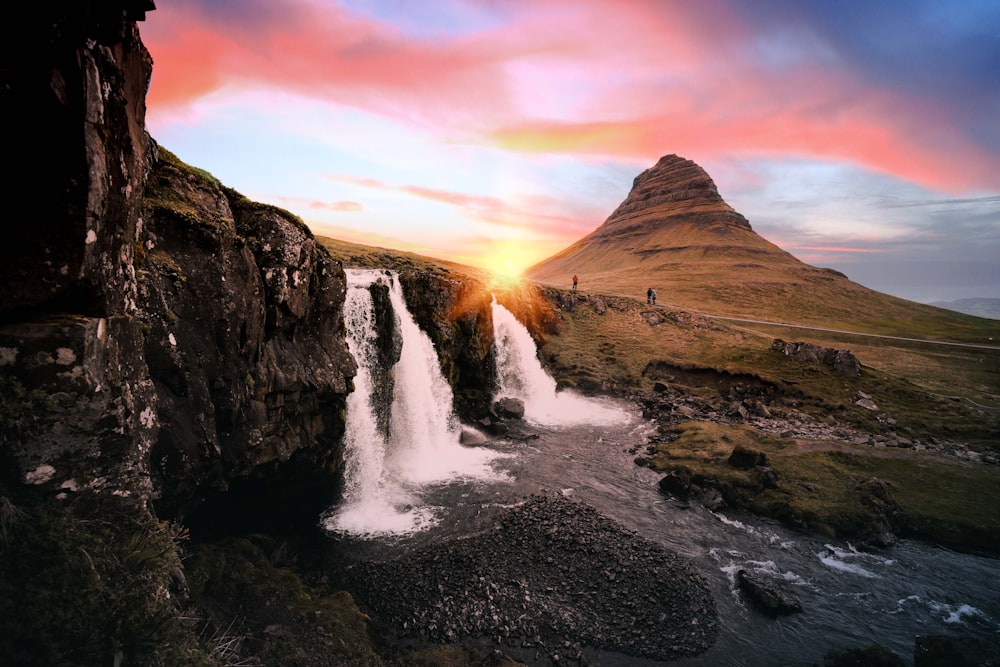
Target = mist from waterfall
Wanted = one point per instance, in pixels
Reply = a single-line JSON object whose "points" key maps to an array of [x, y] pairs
{"points": [[520, 375], [385, 472]]}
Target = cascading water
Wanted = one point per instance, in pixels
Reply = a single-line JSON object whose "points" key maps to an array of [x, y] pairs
{"points": [[390, 457], [850, 597], [520, 375]]}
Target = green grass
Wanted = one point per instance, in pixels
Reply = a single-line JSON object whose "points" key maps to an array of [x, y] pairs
{"points": [[948, 502]]}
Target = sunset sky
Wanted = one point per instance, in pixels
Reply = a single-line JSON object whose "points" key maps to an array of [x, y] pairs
{"points": [[857, 135]]}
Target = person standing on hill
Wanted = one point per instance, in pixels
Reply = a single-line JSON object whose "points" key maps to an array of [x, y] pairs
{"points": [[654, 295], [575, 280], [649, 295]]}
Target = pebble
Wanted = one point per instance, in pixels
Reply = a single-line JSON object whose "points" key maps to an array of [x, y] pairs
{"points": [[551, 573]]}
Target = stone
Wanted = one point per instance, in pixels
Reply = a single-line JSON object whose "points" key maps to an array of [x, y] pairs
{"points": [[841, 361], [768, 594], [470, 437], [746, 458], [875, 655], [677, 482], [509, 408]]}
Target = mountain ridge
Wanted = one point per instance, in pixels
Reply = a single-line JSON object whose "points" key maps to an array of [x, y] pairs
{"points": [[675, 233]]}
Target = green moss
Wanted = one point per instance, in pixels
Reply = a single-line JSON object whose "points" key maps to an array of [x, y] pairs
{"points": [[946, 502], [174, 161], [266, 611], [87, 582], [19, 407]]}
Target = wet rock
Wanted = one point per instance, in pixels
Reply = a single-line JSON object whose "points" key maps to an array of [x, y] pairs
{"points": [[875, 655], [509, 408], [767, 594], [764, 477], [677, 482], [471, 437], [945, 651]]}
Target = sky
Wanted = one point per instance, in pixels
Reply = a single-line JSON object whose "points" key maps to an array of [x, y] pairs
{"points": [[857, 135]]}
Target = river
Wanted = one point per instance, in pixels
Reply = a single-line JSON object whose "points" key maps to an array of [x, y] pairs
{"points": [[850, 598]]}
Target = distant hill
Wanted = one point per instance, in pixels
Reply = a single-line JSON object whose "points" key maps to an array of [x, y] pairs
{"points": [[675, 233], [989, 308]]}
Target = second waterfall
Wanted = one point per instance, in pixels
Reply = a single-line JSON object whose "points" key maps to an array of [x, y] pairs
{"points": [[401, 434]]}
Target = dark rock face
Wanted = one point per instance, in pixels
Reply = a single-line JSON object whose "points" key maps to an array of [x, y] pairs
{"points": [[188, 341], [675, 184], [746, 458], [246, 291], [389, 348], [74, 79], [456, 316]]}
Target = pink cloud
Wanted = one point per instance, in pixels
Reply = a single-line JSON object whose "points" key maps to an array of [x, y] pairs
{"points": [[843, 249], [628, 79]]}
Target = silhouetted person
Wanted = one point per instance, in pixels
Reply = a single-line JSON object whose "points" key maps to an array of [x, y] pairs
{"points": [[649, 295], [575, 281]]}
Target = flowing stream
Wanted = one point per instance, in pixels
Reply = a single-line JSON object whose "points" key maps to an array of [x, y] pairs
{"points": [[420, 485]]}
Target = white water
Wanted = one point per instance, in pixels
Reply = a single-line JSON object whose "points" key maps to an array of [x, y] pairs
{"points": [[851, 597], [520, 375], [384, 476]]}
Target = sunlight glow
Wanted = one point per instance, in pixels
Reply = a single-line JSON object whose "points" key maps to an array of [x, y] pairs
{"points": [[506, 261]]}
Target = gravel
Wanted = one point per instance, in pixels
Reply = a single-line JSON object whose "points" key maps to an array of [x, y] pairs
{"points": [[551, 574]]}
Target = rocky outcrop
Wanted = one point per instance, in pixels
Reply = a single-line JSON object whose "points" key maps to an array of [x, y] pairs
{"points": [[842, 361], [244, 341], [187, 343], [455, 314], [675, 186], [73, 92]]}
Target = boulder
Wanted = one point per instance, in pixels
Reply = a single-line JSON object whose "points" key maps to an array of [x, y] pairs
{"points": [[509, 408], [841, 361], [746, 458], [768, 595], [677, 482], [875, 655], [471, 437]]}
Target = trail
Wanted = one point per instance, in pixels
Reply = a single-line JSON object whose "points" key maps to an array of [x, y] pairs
{"points": [[977, 346]]}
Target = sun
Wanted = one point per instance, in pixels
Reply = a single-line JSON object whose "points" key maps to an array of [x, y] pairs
{"points": [[506, 263]]}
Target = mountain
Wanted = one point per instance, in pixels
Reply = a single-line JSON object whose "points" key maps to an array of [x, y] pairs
{"points": [[676, 234], [989, 308]]}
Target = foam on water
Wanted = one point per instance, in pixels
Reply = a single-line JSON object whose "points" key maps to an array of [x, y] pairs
{"points": [[520, 375], [384, 473]]}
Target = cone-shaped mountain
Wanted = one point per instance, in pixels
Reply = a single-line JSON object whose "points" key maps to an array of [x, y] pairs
{"points": [[676, 234]]}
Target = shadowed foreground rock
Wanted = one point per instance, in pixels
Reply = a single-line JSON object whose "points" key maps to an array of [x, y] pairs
{"points": [[552, 575]]}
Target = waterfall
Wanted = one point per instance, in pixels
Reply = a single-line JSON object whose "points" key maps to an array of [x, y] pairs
{"points": [[520, 375], [396, 443]]}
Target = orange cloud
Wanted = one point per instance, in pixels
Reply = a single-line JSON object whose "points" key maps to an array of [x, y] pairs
{"points": [[492, 210]]}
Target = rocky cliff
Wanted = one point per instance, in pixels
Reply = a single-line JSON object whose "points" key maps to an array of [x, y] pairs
{"points": [[187, 343]]}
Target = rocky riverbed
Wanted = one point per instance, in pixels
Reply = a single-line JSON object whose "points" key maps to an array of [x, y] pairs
{"points": [[549, 578]]}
